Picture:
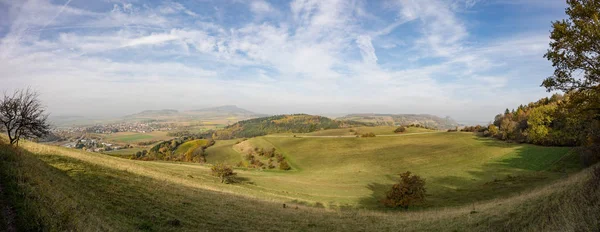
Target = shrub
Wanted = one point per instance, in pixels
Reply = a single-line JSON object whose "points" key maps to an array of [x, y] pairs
{"points": [[284, 165], [370, 134], [410, 190], [224, 172], [249, 157], [280, 158], [400, 130]]}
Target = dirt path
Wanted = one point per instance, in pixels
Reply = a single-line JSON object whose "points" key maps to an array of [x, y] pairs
{"points": [[348, 136], [8, 214]]}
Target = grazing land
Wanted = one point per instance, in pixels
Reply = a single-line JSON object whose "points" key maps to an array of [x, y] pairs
{"points": [[460, 168], [73, 190]]}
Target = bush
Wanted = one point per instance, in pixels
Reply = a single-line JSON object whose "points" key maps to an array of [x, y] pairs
{"points": [[284, 165], [370, 134], [400, 130], [224, 172], [410, 190]]}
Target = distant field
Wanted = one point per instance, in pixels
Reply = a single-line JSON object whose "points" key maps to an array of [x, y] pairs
{"points": [[133, 137], [125, 152]]}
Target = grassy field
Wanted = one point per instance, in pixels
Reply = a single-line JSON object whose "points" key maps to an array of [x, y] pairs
{"points": [[133, 137], [71, 190], [460, 168], [125, 152], [223, 152]]}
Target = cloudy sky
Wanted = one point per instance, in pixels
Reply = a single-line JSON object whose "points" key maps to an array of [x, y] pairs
{"points": [[468, 59]]}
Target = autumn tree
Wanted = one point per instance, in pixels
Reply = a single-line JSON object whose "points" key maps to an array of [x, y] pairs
{"points": [[409, 191], [538, 122], [224, 172], [574, 48], [575, 55], [23, 116]]}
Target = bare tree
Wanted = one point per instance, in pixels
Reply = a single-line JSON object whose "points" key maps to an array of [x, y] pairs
{"points": [[22, 116]]}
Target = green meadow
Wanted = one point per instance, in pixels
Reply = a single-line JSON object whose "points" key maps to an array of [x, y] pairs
{"points": [[459, 168]]}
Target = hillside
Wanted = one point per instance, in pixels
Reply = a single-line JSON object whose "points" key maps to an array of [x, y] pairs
{"points": [[79, 191], [295, 123], [427, 120], [153, 113], [226, 110]]}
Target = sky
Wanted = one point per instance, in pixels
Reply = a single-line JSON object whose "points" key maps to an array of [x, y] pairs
{"points": [[467, 59]]}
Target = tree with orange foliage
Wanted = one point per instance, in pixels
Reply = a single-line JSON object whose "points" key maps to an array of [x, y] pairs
{"points": [[410, 190]]}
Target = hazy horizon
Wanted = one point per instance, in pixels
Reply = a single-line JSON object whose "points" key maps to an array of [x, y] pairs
{"points": [[466, 59]]}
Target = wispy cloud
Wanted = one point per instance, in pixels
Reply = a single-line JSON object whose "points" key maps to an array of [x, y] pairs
{"points": [[404, 56]]}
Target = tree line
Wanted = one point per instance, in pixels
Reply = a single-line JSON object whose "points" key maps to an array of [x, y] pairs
{"points": [[295, 123]]}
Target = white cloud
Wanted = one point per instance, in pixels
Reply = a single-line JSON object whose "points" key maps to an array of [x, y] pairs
{"points": [[134, 56], [261, 7], [366, 49]]}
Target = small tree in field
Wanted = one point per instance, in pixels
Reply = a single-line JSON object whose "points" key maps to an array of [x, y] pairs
{"points": [[401, 129], [224, 172], [23, 116], [410, 190]]}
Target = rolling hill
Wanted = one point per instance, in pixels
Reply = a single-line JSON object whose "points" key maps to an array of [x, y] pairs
{"points": [[295, 123], [427, 120], [230, 112], [59, 189], [224, 110], [153, 113]]}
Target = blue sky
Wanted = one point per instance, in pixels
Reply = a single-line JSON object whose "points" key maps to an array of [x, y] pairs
{"points": [[468, 59]]}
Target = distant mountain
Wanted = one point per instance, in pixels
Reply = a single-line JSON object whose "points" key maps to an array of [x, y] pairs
{"points": [[427, 120], [154, 113], [227, 109], [295, 123], [229, 112]]}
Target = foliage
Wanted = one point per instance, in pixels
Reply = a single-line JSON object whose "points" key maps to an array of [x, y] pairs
{"points": [[555, 121], [224, 172], [179, 149], [575, 56], [574, 48], [477, 128], [283, 165], [400, 129], [409, 191], [366, 135], [22, 115]]}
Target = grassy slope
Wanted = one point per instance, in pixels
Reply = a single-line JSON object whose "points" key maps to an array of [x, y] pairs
{"points": [[222, 152], [356, 172], [69, 190], [183, 148]]}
